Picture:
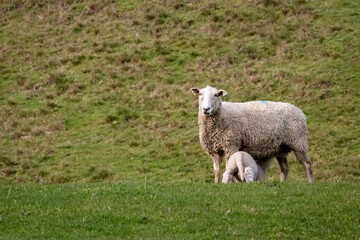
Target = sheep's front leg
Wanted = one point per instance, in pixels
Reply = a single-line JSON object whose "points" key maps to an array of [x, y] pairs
{"points": [[216, 162]]}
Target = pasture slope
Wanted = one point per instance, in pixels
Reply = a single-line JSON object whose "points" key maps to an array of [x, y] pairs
{"points": [[94, 95]]}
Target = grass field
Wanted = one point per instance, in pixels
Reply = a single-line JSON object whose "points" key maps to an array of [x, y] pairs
{"points": [[180, 211], [98, 128], [100, 91]]}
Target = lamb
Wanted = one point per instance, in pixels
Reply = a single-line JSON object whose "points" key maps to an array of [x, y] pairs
{"points": [[264, 129], [241, 166]]}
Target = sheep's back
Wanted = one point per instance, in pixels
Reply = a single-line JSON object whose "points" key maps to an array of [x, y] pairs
{"points": [[264, 126]]}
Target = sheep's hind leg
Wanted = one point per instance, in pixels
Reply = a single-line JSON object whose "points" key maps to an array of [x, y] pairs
{"points": [[216, 163], [303, 158], [284, 167]]}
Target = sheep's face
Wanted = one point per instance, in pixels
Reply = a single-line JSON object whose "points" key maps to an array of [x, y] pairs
{"points": [[209, 99]]}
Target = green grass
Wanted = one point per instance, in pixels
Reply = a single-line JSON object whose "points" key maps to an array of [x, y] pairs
{"points": [[98, 91], [180, 211]]}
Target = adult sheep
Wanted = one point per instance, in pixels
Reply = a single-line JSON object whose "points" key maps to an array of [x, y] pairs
{"points": [[263, 129]]}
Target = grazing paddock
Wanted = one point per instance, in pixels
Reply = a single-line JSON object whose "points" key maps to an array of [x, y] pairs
{"points": [[94, 92], [98, 132]]}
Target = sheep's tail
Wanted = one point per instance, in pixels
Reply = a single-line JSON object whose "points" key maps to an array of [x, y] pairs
{"points": [[239, 163]]}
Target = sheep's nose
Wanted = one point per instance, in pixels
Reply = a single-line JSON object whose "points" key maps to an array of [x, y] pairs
{"points": [[206, 109]]}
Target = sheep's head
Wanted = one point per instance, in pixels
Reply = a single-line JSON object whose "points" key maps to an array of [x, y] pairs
{"points": [[209, 99]]}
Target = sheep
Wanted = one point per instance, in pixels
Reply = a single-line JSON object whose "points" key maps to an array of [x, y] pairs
{"points": [[241, 166], [264, 129]]}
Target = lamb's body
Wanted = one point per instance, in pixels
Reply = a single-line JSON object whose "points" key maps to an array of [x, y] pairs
{"points": [[242, 167], [263, 129]]}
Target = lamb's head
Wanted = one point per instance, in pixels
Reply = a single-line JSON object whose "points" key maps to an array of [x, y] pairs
{"points": [[209, 99]]}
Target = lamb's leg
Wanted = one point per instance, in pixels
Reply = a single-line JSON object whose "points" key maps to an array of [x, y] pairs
{"points": [[303, 158], [249, 174], [216, 162], [227, 177], [284, 167]]}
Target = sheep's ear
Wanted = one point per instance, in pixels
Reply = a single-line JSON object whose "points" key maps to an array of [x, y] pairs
{"points": [[222, 93], [195, 91]]}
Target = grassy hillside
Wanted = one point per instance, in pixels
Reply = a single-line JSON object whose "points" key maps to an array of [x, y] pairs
{"points": [[180, 211], [99, 90]]}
